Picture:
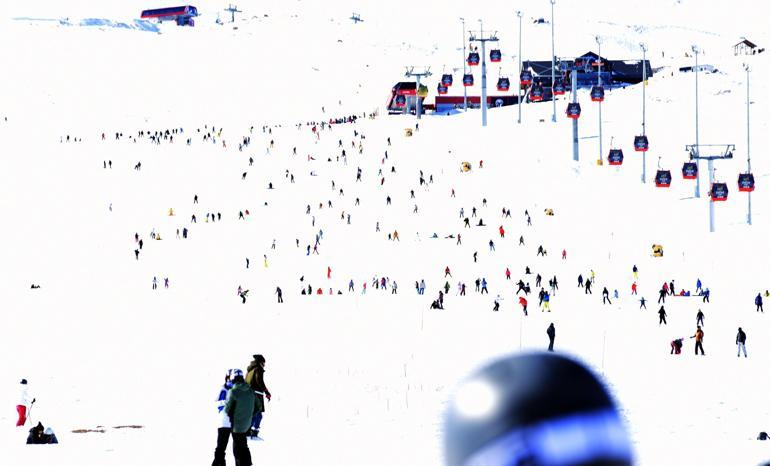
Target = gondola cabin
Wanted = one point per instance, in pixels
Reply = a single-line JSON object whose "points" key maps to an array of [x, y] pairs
{"points": [[495, 56], [441, 89], [597, 94], [559, 88], [526, 78], [746, 182], [663, 179], [690, 170], [446, 80], [536, 94], [641, 144], [573, 110], [468, 80], [718, 192], [615, 157], [473, 59], [400, 101], [503, 84]]}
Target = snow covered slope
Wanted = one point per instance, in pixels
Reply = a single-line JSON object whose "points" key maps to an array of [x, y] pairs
{"points": [[361, 378]]}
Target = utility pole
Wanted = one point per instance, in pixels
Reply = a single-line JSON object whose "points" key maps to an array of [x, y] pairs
{"points": [[518, 102], [553, 64], [411, 74], [727, 153], [491, 38], [696, 51], [233, 10], [748, 135], [465, 89], [599, 41], [644, 108]]}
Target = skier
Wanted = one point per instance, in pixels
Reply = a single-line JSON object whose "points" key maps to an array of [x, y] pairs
{"points": [[662, 315], [662, 295], [240, 408], [580, 281], [642, 303], [698, 341], [551, 336], [740, 340], [699, 318], [523, 302], [698, 286], [497, 305], [255, 377], [588, 286], [279, 292], [758, 303], [484, 286], [536, 419], [633, 288], [25, 403], [636, 273], [606, 296], [243, 294], [706, 295]]}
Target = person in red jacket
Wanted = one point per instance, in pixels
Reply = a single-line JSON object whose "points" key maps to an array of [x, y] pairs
{"points": [[507, 273], [633, 288], [523, 302], [328, 272], [502, 231]]}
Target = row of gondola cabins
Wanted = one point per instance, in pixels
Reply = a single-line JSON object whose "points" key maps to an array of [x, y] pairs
{"points": [[718, 191]]}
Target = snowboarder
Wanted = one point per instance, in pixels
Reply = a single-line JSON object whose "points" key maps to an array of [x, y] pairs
{"points": [[698, 341], [551, 336], [740, 340]]}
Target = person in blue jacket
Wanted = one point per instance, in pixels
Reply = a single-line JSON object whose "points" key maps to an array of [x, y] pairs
{"points": [[758, 302]]}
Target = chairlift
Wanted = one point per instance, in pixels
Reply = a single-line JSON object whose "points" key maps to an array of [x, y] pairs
{"points": [[503, 84], [442, 89], [641, 144], [718, 192], [663, 178], [495, 56], [468, 80], [690, 170], [400, 101], [573, 110], [446, 80], [615, 157], [525, 78], [746, 182], [536, 93], [473, 59], [597, 94]]}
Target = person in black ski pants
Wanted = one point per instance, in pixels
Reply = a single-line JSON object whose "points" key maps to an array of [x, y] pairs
{"points": [[699, 318], [606, 296], [662, 314], [662, 296], [588, 287], [551, 336]]}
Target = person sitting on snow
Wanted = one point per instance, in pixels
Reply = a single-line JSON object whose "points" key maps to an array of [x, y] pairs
{"points": [[40, 435]]}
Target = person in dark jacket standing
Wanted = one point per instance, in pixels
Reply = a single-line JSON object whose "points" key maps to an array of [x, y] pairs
{"points": [[606, 296], [740, 340], [240, 408], [699, 341], [255, 377], [699, 318], [551, 336], [758, 302], [662, 315]]}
